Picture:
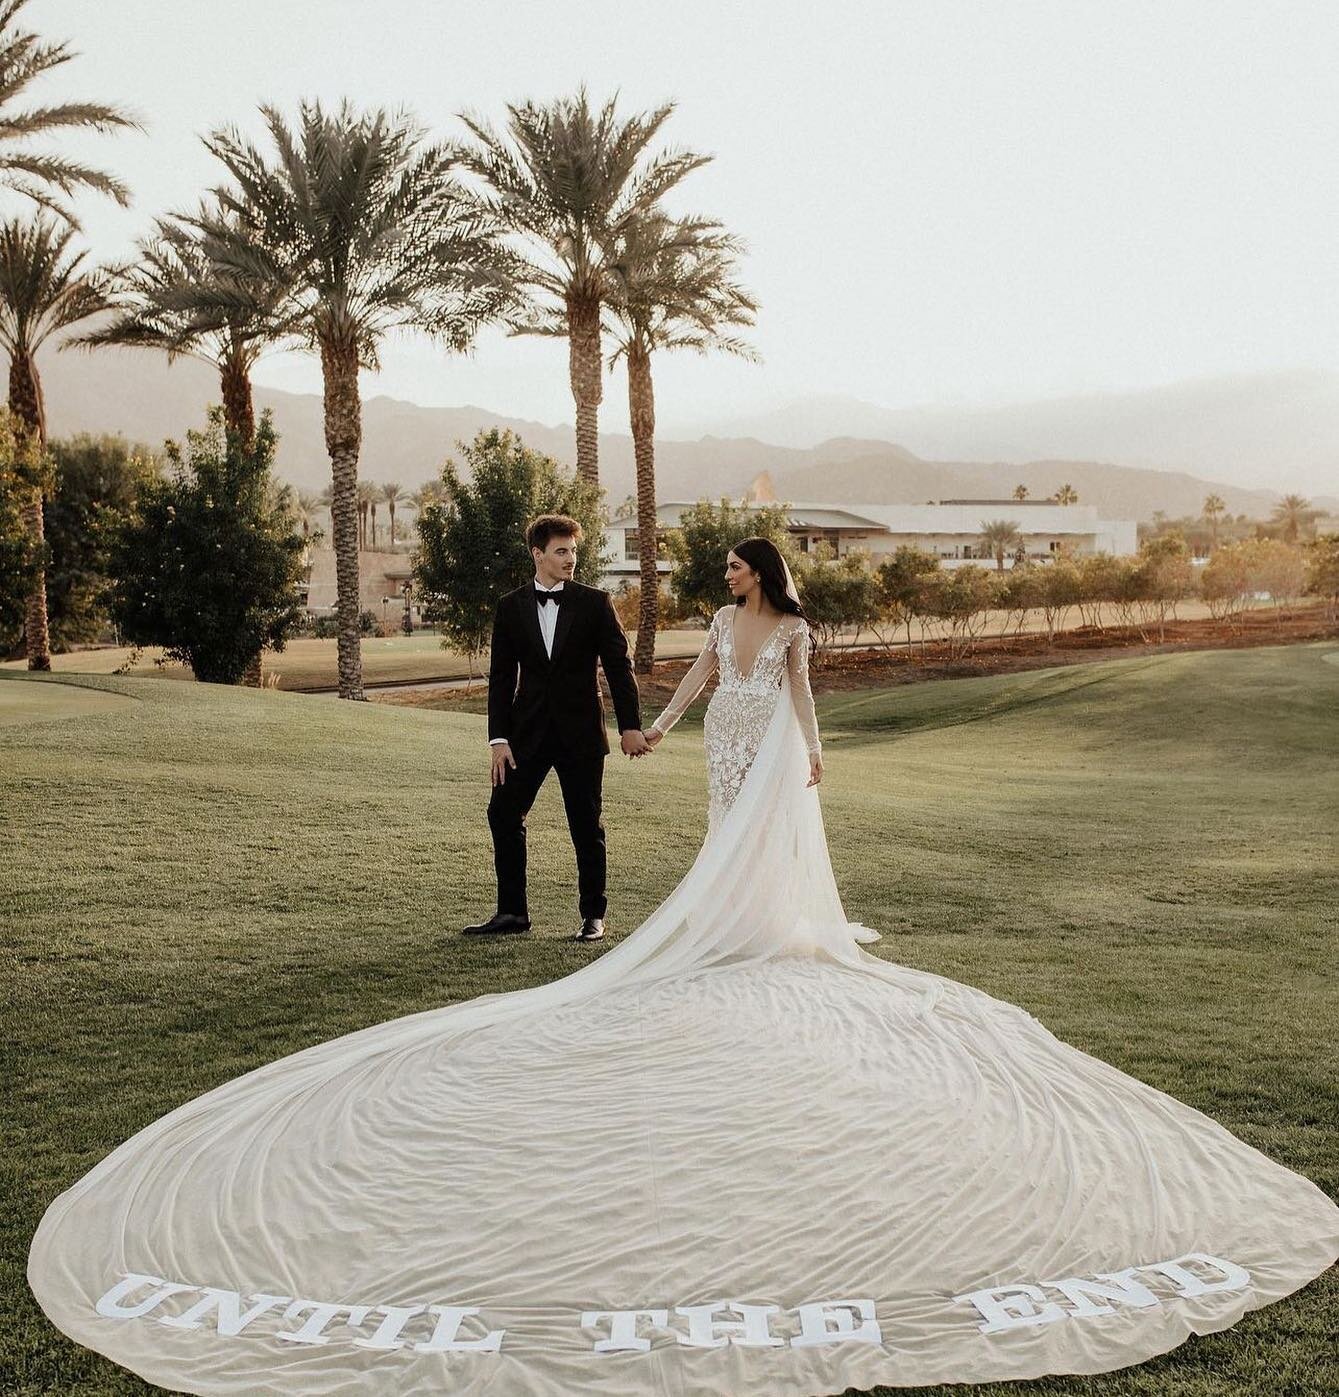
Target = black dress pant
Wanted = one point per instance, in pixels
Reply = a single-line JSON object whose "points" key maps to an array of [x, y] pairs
{"points": [[581, 776]]}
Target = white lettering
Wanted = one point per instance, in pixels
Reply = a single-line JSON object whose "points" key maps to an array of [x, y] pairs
{"points": [[231, 1321], [1234, 1277], [705, 1331], [444, 1338], [623, 1335], [1109, 1285], [321, 1315], [832, 1323], [1011, 1307], [110, 1306], [388, 1331]]}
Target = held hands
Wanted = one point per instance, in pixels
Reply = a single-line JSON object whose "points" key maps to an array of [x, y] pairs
{"points": [[815, 770], [635, 743]]}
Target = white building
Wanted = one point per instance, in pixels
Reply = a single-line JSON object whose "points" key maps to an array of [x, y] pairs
{"points": [[951, 530]]}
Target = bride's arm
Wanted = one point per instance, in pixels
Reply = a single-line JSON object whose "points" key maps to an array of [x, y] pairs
{"points": [[691, 685], [801, 695]]}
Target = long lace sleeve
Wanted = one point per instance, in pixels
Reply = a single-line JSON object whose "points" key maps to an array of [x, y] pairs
{"points": [[692, 684], [801, 695]]}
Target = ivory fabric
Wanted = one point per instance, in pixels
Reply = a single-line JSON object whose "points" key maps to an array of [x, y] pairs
{"points": [[735, 1154]]}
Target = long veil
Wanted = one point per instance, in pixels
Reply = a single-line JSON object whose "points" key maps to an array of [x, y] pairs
{"points": [[736, 1100]]}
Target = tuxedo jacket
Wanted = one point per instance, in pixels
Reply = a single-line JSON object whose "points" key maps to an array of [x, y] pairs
{"points": [[528, 692]]}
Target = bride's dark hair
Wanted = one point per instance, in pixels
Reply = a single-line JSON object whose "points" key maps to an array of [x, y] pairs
{"points": [[764, 557]]}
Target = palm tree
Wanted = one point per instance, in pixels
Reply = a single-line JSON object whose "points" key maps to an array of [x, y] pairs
{"points": [[170, 293], [1000, 536], [571, 181], [391, 495], [44, 289], [361, 227], [431, 492], [1066, 494], [305, 506], [671, 286], [1020, 492], [365, 494], [1295, 514], [44, 178], [1214, 509]]}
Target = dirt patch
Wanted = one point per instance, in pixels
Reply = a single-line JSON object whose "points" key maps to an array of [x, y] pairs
{"points": [[841, 670]]}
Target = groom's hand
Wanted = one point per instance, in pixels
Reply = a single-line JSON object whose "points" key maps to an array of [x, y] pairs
{"points": [[502, 759], [634, 743]]}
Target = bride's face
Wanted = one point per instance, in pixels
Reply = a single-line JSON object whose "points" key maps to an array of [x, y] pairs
{"points": [[739, 577]]}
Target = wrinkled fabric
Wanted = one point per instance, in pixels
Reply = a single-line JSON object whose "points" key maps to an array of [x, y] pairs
{"points": [[736, 1154]]}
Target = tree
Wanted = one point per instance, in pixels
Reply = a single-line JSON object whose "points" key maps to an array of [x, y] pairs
{"points": [[1322, 578], [1066, 494], [18, 562], [391, 495], [706, 533], [1099, 582], [1164, 576], [960, 598], [999, 536], [45, 289], [357, 227], [901, 580], [1280, 569], [571, 182], [1295, 516], [168, 298], [671, 287], [472, 548], [47, 179], [306, 507], [1020, 492], [1213, 511], [208, 564], [1061, 588], [95, 483], [839, 594]]}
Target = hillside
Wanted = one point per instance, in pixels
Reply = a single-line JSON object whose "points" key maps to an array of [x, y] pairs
{"points": [[143, 397]]}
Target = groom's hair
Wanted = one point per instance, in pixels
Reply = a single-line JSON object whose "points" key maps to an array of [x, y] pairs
{"points": [[551, 526]]}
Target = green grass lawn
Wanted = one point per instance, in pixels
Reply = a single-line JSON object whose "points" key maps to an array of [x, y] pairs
{"points": [[1140, 852]]}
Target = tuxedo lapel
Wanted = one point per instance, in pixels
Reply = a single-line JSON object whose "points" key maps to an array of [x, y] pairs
{"points": [[565, 619], [530, 621]]}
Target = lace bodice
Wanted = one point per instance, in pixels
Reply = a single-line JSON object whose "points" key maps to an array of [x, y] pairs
{"points": [[785, 650]]}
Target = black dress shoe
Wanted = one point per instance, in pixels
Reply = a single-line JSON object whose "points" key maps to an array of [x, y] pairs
{"points": [[501, 923], [592, 929]]}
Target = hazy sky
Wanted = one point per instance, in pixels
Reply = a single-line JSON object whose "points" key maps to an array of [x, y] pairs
{"points": [[943, 201]]}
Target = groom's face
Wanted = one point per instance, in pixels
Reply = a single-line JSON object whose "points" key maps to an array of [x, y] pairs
{"points": [[556, 562]]}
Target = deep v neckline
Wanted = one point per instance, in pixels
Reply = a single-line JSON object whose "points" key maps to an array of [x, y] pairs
{"points": [[734, 647]]}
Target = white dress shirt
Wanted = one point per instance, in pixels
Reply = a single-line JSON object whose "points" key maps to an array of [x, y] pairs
{"points": [[548, 624]]}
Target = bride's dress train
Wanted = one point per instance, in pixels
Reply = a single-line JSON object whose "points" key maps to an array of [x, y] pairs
{"points": [[735, 1154]]}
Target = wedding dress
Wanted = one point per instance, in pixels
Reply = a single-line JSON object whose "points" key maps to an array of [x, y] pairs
{"points": [[735, 1154]]}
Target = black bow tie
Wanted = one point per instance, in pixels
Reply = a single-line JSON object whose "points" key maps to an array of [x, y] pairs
{"points": [[555, 597]]}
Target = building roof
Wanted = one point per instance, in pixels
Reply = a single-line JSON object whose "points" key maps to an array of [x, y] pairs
{"points": [[960, 517]]}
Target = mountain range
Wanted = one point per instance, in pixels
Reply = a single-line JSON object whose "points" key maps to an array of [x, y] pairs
{"points": [[819, 450]]}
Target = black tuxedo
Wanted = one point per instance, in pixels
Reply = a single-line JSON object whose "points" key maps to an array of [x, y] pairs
{"points": [[550, 711]]}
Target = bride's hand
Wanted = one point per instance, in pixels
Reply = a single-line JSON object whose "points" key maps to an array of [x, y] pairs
{"points": [[815, 771], [653, 737]]}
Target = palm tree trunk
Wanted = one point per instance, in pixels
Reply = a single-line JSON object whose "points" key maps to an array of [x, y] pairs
{"points": [[239, 413], [642, 415], [343, 440], [239, 418], [587, 374], [25, 402]]}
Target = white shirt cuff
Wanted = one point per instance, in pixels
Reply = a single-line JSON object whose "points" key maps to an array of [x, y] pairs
{"points": [[498, 741]]}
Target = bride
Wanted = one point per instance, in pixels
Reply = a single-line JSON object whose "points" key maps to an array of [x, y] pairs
{"points": [[736, 1154]]}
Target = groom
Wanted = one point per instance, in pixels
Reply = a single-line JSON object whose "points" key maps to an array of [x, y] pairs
{"points": [[549, 634]]}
